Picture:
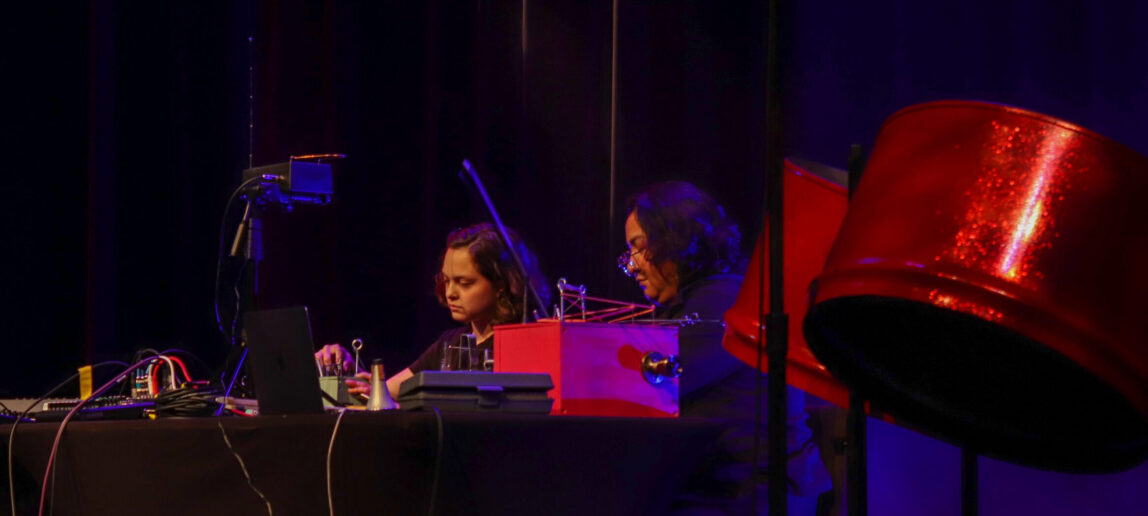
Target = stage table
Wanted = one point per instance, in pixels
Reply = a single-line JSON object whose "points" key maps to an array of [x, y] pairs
{"points": [[382, 463]]}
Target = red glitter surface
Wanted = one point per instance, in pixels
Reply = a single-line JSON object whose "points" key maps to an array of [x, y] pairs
{"points": [[1014, 217], [1011, 210]]}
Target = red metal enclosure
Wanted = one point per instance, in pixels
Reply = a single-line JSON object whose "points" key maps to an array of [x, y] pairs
{"points": [[596, 368]]}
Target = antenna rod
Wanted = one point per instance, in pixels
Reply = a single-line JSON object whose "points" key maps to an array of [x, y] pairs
{"points": [[250, 101]]}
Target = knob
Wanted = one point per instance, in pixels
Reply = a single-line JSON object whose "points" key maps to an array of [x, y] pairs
{"points": [[657, 368]]}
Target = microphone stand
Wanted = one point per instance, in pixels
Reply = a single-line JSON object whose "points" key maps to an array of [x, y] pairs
{"points": [[776, 321], [249, 238], [856, 450], [469, 176]]}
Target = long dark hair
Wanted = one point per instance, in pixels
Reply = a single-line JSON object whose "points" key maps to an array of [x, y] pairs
{"points": [[685, 226], [496, 264]]}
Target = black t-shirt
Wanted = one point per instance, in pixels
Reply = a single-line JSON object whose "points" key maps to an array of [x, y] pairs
{"points": [[432, 358]]}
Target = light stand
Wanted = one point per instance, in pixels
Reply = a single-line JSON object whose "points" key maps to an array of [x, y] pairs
{"points": [[776, 321], [284, 185], [856, 460]]}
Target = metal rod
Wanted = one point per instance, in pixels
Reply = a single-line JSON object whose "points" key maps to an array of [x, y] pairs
{"points": [[469, 173], [777, 323], [856, 466], [856, 460], [855, 165]]}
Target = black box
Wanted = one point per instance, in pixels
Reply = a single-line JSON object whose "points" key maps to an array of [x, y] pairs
{"points": [[474, 391], [302, 182]]}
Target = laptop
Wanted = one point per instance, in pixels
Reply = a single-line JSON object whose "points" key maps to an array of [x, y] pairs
{"points": [[282, 361]]}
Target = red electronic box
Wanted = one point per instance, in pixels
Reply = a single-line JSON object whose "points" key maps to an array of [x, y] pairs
{"points": [[597, 368]]}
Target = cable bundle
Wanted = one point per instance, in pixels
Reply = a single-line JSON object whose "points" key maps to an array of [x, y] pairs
{"points": [[190, 400], [148, 379]]}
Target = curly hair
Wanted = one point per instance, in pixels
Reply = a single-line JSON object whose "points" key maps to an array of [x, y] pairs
{"points": [[496, 264], [685, 226]]}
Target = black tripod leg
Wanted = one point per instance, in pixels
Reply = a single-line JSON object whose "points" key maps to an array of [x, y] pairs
{"points": [[968, 482], [856, 467]]}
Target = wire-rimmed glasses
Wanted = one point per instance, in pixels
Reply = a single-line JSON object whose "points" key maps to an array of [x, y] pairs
{"points": [[626, 262]]}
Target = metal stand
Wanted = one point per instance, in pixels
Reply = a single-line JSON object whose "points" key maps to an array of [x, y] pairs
{"points": [[280, 184], [968, 482], [777, 322], [249, 236], [470, 177], [856, 462], [777, 346]]}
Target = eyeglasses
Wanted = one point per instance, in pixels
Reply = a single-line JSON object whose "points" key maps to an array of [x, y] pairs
{"points": [[626, 262]]}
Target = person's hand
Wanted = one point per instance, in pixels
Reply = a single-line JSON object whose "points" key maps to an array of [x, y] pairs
{"points": [[360, 384], [333, 360]]}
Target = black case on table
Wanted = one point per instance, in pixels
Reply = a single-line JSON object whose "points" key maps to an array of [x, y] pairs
{"points": [[476, 391]]}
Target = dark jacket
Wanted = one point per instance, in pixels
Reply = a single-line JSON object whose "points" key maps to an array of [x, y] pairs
{"points": [[716, 385]]}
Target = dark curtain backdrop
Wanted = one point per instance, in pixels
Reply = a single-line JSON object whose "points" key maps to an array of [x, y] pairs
{"points": [[128, 128]]}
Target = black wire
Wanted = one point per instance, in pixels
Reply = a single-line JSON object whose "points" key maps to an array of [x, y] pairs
{"points": [[234, 323], [437, 460], [219, 255], [235, 289], [138, 355], [334, 402], [188, 354], [187, 401]]}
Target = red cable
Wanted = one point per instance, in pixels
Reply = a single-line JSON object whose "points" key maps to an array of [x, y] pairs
{"points": [[152, 373], [181, 366]]}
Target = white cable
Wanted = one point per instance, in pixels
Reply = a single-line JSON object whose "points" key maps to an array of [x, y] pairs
{"points": [[243, 467], [171, 365], [150, 372], [330, 450]]}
